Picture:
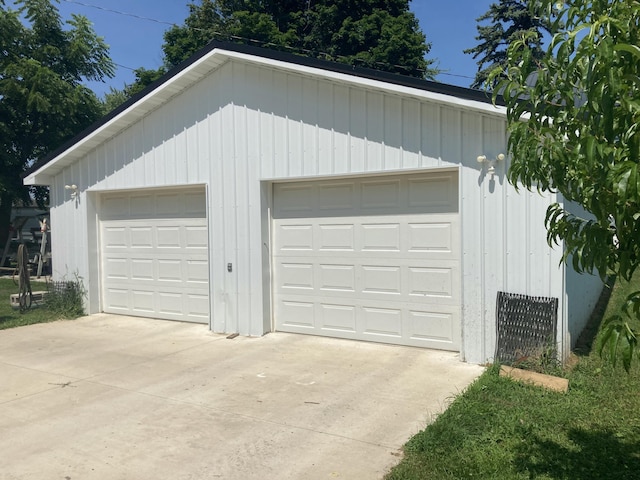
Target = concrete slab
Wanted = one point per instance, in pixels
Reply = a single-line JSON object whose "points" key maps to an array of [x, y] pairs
{"points": [[122, 397]]}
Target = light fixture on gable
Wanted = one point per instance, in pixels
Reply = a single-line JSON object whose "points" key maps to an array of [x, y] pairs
{"points": [[491, 162], [73, 189]]}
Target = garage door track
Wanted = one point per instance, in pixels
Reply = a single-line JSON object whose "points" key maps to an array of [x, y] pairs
{"points": [[112, 397]]}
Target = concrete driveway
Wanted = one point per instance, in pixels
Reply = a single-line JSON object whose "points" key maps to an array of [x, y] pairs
{"points": [[111, 397]]}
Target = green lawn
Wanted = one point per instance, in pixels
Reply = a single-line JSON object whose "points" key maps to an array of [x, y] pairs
{"points": [[10, 317], [500, 429]]}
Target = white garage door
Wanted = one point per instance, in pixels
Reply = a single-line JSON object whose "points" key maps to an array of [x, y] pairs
{"points": [[154, 248], [374, 259]]}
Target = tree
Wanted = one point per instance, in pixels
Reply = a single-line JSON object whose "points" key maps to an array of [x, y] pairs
{"points": [[42, 100], [574, 127], [380, 34], [509, 20], [113, 99]]}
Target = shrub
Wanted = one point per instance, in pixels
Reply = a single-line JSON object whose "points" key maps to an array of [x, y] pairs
{"points": [[66, 298]]}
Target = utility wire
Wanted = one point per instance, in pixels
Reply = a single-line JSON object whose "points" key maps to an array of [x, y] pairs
{"points": [[124, 66], [139, 17], [456, 75]]}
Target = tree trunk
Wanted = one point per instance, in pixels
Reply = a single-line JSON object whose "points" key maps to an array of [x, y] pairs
{"points": [[6, 202]]}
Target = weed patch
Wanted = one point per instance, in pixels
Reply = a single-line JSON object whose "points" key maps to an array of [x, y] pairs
{"points": [[65, 298]]}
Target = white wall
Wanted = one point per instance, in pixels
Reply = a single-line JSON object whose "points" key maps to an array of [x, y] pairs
{"points": [[244, 126], [581, 293]]}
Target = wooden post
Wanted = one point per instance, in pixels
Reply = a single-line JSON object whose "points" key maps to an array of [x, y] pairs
{"points": [[43, 246]]}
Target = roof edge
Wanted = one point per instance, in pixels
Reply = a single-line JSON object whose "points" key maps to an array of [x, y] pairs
{"points": [[277, 55], [364, 72]]}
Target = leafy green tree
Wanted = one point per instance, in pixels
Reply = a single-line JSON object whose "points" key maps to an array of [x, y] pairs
{"points": [[574, 127], [508, 20], [377, 34], [272, 23], [144, 77], [42, 100], [380, 34], [113, 99]]}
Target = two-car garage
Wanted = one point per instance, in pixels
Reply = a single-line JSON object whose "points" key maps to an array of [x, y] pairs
{"points": [[372, 259], [256, 190]]}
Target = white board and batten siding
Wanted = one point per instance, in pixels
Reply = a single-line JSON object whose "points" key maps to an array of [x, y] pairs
{"points": [[246, 130], [374, 259], [155, 255]]}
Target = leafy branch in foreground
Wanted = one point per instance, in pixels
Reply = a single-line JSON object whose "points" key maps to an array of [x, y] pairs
{"points": [[574, 128], [618, 338]]}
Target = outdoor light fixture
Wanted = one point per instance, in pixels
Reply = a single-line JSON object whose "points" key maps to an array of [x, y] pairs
{"points": [[491, 162], [73, 189]]}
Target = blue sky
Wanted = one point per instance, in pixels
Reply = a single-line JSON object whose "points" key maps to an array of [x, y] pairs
{"points": [[450, 26]]}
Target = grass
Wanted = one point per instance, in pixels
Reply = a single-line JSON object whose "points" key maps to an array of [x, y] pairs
{"points": [[10, 317], [500, 429]]}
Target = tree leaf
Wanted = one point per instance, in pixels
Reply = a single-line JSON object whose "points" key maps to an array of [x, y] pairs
{"points": [[625, 47]]}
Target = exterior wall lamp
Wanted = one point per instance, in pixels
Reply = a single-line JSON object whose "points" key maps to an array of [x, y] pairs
{"points": [[73, 189], [482, 159]]}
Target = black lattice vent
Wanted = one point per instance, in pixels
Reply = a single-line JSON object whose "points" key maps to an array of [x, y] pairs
{"points": [[61, 287], [526, 326]]}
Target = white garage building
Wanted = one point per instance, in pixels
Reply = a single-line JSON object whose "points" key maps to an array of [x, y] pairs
{"points": [[255, 191]]}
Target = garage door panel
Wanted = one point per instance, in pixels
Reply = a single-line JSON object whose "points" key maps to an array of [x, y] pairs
{"points": [[380, 195], [405, 277], [142, 269], [116, 204], [142, 301], [337, 278], [169, 270], [170, 204], [379, 260], [336, 197], [194, 205], [117, 300], [298, 314], [295, 237], [431, 238], [437, 194], [381, 279], [434, 239], [169, 237], [156, 266], [295, 200], [429, 326], [198, 306], [114, 237], [197, 271], [381, 322], [141, 237], [296, 276], [115, 268], [337, 318], [336, 237], [140, 205], [432, 282], [380, 237], [169, 303], [420, 324], [196, 237], [416, 255]]}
